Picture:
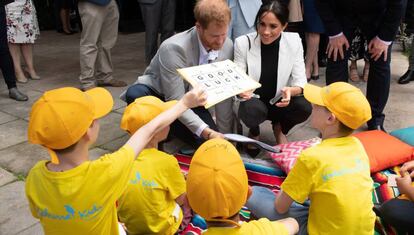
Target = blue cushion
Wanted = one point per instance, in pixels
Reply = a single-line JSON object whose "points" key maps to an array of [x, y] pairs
{"points": [[405, 135]]}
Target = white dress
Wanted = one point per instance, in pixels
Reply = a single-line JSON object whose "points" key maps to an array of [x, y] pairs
{"points": [[22, 26]]}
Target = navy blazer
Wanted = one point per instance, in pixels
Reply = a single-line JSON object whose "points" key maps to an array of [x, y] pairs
{"points": [[375, 17]]}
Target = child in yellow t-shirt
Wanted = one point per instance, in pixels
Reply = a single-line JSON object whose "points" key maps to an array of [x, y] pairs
{"points": [[398, 212], [70, 194], [156, 188], [334, 175], [217, 189]]}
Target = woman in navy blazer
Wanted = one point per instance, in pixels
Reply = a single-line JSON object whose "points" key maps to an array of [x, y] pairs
{"points": [[274, 59]]}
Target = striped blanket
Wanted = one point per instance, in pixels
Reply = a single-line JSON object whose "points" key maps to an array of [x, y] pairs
{"points": [[273, 178]]}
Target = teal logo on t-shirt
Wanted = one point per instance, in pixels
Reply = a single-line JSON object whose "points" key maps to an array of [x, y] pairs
{"points": [[146, 183], [71, 213], [359, 166]]}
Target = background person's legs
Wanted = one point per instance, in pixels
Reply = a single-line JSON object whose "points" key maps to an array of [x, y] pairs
{"points": [[378, 88], [151, 14], [311, 62], [167, 19], [15, 51], [92, 18], [27, 52], [6, 63], [106, 41]]}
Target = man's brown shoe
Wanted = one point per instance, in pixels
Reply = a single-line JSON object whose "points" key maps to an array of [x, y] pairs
{"points": [[113, 83]]}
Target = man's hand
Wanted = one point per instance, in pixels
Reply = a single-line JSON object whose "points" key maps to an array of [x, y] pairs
{"points": [[286, 95], [194, 98], [247, 95], [209, 134], [336, 45], [376, 47]]}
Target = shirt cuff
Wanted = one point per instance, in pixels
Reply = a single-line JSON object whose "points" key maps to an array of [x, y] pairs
{"points": [[385, 42], [201, 129], [335, 36]]}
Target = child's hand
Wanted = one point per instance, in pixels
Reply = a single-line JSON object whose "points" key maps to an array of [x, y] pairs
{"points": [[194, 98], [407, 167], [404, 183]]}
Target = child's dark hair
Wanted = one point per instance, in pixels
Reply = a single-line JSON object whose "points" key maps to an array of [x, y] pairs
{"points": [[278, 8], [344, 129]]}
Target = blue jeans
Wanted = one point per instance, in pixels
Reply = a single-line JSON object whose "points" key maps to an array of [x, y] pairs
{"points": [[261, 204]]}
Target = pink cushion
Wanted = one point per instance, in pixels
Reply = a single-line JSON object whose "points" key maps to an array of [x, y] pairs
{"points": [[290, 152], [384, 150]]}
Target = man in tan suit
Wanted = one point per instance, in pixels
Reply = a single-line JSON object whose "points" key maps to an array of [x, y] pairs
{"points": [[100, 31]]}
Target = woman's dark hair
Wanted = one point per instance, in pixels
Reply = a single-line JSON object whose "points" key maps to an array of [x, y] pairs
{"points": [[278, 8]]}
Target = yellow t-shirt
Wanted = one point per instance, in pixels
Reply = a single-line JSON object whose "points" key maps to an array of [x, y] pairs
{"points": [[80, 200], [149, 201], [335, 176], [255, 227]]}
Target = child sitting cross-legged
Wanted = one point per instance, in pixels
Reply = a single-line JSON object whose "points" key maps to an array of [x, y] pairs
{"points": [[334, 175], [155, 198], [217, 189], [71, 194], [399, 212]]}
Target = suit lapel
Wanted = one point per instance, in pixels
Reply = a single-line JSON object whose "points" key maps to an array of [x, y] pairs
{"points": [[283, 63], [194, 56], [254, 61]]}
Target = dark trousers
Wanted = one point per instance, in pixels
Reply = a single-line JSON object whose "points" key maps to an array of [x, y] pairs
{"points": [[6, 62], [296, 112], [378, 85], [399, 214], [177, 129], [158, 17]]}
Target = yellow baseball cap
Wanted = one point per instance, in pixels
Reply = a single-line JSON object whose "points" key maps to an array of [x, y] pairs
{"points": [[142, 111], [217, 181], [60, 117], [347, 102]]}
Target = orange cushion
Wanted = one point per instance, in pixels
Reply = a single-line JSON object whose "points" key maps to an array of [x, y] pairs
{"points": [[384, 150]]}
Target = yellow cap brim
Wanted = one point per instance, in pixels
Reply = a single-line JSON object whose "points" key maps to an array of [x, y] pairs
{"points": [[313, 94], [102, 99]]}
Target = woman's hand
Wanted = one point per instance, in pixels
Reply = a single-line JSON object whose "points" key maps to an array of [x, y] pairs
{"points": [[247, 95], [286, 95]]}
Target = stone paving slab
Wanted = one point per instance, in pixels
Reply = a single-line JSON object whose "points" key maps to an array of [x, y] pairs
{"points": [[4, 117], [22, 157], [109, 128], [35, 229], [6, 177], [20, 109], [13, 133], [15, 215], [116, 143]]}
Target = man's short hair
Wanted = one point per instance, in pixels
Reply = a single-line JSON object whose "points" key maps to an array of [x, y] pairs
{"points": [[207, 11]]}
